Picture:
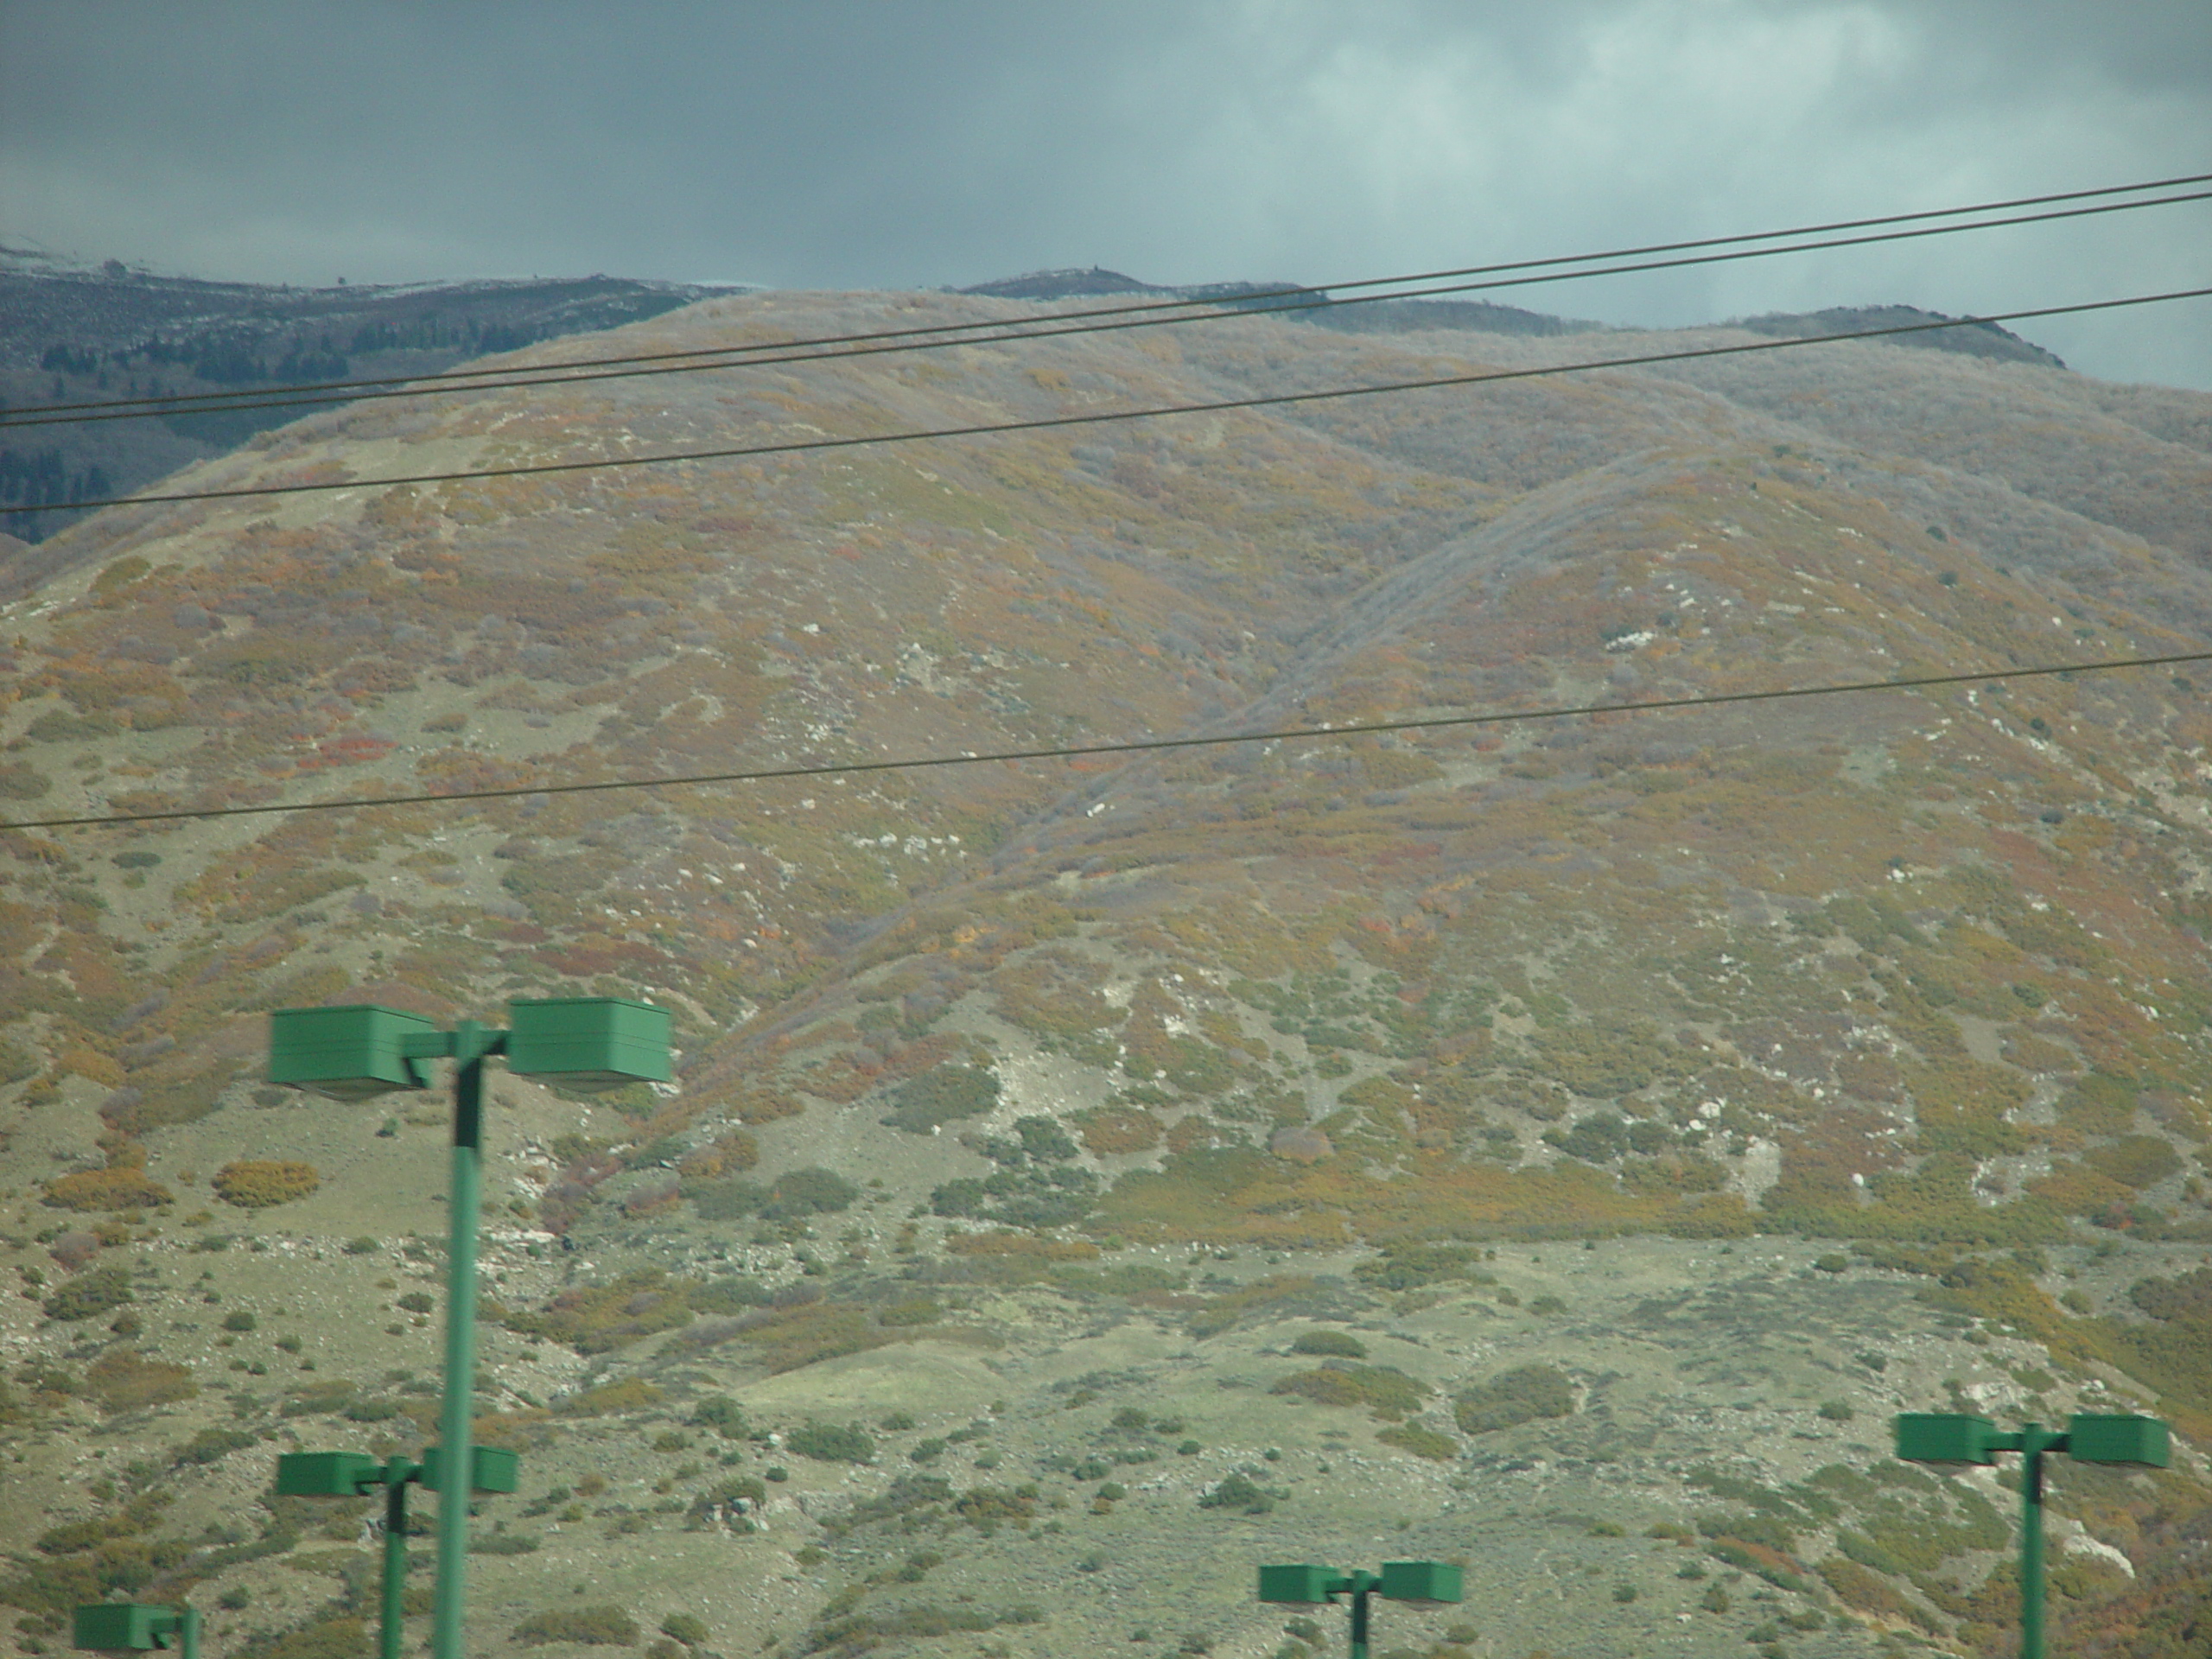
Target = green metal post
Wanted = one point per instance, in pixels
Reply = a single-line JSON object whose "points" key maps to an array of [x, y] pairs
{"points": [[1362, 1584], [2034, 1440], [471, 1042], [189, 1633], [394, 1599]]}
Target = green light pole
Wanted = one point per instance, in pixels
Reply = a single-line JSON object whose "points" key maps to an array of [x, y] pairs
{"points": [[1947, 1438], [133, 1625], [1433, 1583], [360, 1050], [351, 1474]]}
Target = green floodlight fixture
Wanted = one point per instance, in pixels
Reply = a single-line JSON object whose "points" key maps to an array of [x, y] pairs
{"points": [[360, 1050], [352, 1474], [1427, 1584], [1956, 1440], [114, 1625]]}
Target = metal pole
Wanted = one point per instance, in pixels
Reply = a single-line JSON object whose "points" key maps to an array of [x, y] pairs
{"points": [[188, 1634], [456, 1464], [395, 1559], [2033, 1443], [1361, 1583]]}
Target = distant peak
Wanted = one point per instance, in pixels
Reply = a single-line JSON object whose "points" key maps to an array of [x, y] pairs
{"points": [[1973, 340], [1064, 284]]}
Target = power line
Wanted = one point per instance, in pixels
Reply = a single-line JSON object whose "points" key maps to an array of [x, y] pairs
{"points": [[1275, 400], [1203, 309], [1144, 746]]}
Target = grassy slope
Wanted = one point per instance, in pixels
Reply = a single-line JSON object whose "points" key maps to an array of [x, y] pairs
{"points": [[1915, 972]]}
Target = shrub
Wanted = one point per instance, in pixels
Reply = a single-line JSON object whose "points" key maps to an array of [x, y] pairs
{"points": [[125, 1380], [723, 1414], [504, 1543], [945, 1095], [1515, 1397], [210, 1444], [2138, 1160], [417, 1301], [627, 1394], [259, 1183], [1339, 1343], [1239, 1493], [362, 1246], [1383, 1389], [1836, 1411], [1421, 1442], [1111, 1130], [916, 1310], [90, 1294], [687, 1628], [240, 1320], [734, 1152], [106, 1189], [314, 1398], [601, 1626], [802, 1192], [832, 1443]]}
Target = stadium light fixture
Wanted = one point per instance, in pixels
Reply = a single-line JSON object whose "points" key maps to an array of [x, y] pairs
{"points": [[133, 1626], [1956, 1440], [359, 1051], [1431, 1584]]}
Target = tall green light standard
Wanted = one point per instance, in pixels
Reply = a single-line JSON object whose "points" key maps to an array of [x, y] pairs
{"points": [[359, 1051], [1948, 1438], [1431, 1584]]}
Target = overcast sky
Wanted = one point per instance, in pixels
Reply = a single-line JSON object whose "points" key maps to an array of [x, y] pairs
{"points": [[902, 144]]}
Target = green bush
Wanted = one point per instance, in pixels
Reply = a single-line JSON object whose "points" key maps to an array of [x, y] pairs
{"points": [[687, 1628], [801, 1192], [211, 1444], [1340, 1344], [600, 1626], [1521, 1395], [1421, 1442], [723, 1414], [1383, 1389], [89, 1294], [1240, 1493], [832, 1443], [504, 1543], [945, 1095], [240, 1320]]}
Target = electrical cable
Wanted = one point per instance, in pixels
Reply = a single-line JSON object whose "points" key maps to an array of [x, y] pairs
{"points": [[1142, 746], [1275, 400], [321, 394], [558, 374]]}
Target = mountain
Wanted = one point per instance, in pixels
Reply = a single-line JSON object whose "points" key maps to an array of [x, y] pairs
{"points": [[1558, 1146], [75, 336]]}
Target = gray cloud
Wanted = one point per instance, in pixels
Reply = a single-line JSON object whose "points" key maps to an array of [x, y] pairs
{"points": [[849, 142]]}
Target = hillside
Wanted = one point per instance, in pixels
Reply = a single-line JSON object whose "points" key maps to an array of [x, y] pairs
{"points": [[77, 336], [1558, 1145]]}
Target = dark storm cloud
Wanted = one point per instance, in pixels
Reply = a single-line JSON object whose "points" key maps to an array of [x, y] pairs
{"points": [[858, 142]]}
